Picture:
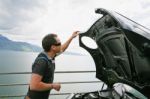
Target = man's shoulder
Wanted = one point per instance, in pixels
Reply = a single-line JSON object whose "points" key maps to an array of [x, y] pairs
{"points": [[41, 54], [42, 57]]}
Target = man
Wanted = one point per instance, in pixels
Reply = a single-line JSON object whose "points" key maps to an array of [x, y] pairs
{"points": [[44, 66]]}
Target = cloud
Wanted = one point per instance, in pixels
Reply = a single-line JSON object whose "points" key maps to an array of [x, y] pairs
{"points": [[14, 13], [35, 18]]}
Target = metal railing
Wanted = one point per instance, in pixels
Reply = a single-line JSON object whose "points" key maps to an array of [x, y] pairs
{"points": [[25, 84]]}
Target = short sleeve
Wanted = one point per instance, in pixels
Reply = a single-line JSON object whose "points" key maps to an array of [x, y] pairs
{"points": [[39, 66]]}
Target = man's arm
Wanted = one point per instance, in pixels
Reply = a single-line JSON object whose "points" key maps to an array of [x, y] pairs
{"points": [[66, 44], [37, 85]]}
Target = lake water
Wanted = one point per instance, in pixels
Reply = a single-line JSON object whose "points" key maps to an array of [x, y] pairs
{"points": [[11, 61]]}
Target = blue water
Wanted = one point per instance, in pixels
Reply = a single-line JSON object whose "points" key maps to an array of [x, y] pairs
{"points": [[11, 61]]}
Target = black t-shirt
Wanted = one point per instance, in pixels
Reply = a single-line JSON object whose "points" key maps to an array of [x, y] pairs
{"points": [[45, 67]]}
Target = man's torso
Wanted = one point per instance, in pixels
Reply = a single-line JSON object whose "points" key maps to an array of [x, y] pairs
{"points": [[44, 67]]}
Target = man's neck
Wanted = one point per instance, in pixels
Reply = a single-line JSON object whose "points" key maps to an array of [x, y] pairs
{"points": [[51, 54]]}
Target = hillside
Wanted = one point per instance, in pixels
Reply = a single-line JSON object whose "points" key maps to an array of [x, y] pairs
{"points": [[7, 44]]}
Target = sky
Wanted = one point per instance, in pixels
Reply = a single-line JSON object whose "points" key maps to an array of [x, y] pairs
{"points": [[30, 20]]}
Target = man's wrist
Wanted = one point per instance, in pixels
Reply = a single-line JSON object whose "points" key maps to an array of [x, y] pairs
{"points": [[52, 86]]}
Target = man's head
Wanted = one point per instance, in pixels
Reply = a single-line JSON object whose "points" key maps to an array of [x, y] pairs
{"points": [[51, 42]]}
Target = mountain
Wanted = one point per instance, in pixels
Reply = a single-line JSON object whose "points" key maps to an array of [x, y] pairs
{"points": [[7, 44]]}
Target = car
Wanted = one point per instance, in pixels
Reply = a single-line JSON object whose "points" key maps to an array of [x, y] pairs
{"points": [[120, 48]]}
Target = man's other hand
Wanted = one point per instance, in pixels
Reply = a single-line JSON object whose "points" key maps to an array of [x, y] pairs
{"points": [[56, 86]]}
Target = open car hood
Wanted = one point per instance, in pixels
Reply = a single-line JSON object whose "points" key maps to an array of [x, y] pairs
{"points": [[122, 54]]}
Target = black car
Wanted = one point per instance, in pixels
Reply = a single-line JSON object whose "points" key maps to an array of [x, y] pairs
{"points": [[122, 57]]}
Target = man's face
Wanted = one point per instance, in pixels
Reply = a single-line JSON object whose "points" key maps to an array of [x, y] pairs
{"points": [[57, 46]]}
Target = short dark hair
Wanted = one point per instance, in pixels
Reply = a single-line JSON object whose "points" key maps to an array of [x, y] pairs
{"points": [[48, 41]]}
